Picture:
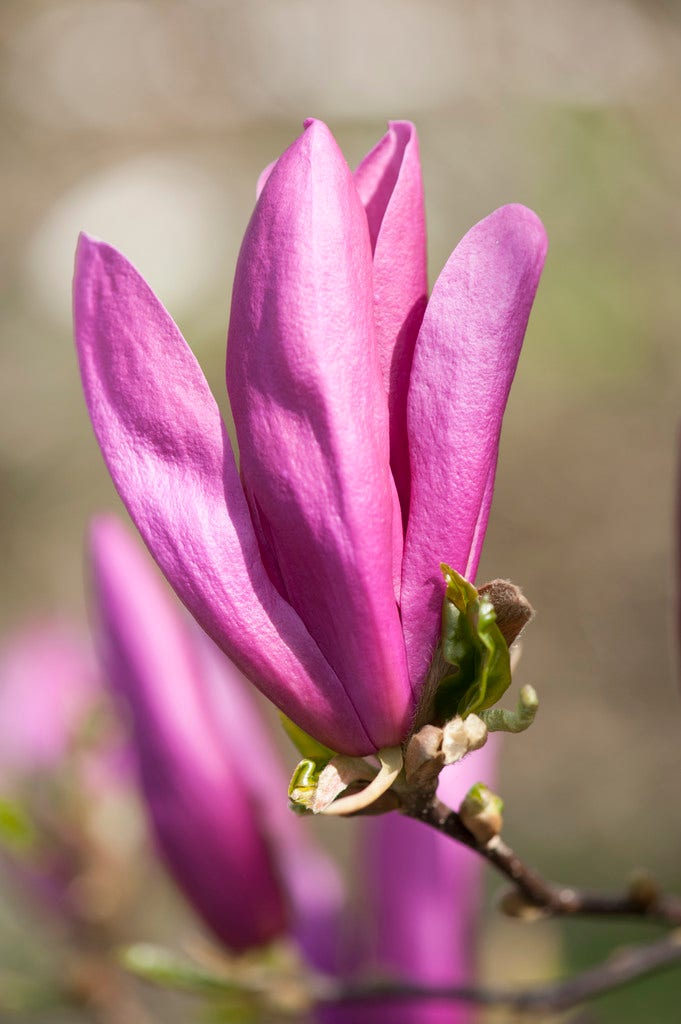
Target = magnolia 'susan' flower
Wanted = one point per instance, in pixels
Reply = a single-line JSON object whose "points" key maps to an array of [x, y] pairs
{"points": [[367, 421], [206, 766]]}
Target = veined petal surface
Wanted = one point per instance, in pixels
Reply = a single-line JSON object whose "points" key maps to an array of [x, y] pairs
{"points": [[170, 458], [311, 419], [202, 814], [464, 361], [390, 186]]}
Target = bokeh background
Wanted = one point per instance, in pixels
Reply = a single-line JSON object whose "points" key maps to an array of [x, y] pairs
{"points": [[146, 122]]}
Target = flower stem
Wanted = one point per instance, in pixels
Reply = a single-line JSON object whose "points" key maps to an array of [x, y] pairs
{"points": [[536, 892], [622, 968]]}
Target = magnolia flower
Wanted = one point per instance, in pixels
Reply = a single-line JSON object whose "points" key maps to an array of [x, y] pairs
{"points": [[367, 428], [206, 767]]}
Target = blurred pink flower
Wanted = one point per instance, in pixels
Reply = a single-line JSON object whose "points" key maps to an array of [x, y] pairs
{"points": [[49, 685], [368, 429], [60, 758], [210, 779]]}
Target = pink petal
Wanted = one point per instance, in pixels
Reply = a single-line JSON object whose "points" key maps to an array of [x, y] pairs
{"points": [[311, 420], [391, 188], [200, 806], [311, 883], [170, 458], [464, 362]]}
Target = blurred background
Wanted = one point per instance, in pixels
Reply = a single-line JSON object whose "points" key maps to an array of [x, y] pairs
{"points": [[146, 122]]}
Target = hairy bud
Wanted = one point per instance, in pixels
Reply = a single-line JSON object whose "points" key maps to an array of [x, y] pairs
{"points": [[513, 610]]}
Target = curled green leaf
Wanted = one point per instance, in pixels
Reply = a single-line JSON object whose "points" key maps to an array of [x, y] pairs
{"points": [[475, 648], [501, 720]]}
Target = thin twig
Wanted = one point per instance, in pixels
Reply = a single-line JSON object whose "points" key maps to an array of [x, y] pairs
{"points": [[537, 891], [623, 967]]}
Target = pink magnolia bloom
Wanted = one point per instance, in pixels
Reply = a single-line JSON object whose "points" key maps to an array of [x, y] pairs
{"points": [[368, 429], [211, 782]]}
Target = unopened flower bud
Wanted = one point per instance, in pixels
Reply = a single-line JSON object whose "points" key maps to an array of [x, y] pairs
{"points": [[513, 610], [481, 811], [461, 735]]}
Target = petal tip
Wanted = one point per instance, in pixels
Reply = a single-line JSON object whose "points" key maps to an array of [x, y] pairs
{"points": [[316, 129], [314, 156], [318, 139], [405, 130], [101, 525], [84, 246], [88, 250], [106, 539], [523, 221], [87, 244]]}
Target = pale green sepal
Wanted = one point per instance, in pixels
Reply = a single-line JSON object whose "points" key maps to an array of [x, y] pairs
{"points": [[500, 720], [167, 969], [16, 831], [306, 745], [473, 644]]}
